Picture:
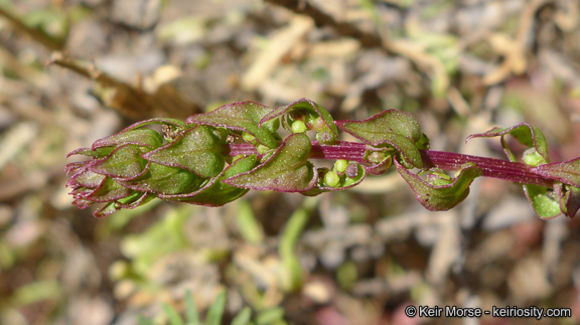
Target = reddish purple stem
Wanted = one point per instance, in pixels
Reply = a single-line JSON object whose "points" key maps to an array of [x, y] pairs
{"points": [[491, 167]]}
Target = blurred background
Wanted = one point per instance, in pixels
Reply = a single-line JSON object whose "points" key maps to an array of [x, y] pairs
{"points": [[73, 71]]}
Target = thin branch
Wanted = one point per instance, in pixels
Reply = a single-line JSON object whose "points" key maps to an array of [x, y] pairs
{"points": [[367, 39], [490, 167], [35, 34]]}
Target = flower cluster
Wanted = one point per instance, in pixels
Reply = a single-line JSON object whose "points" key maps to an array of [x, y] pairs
{"points": [[216, 157]]}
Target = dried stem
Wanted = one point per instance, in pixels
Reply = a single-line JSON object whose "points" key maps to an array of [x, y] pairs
{"points": [[36, 34], [367, 39]]}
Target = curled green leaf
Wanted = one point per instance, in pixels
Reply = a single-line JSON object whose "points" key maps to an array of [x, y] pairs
{"points": [[123, 162], [287, 170], [141, 137], [569, 199], [162, 179], [567, 172], [319, 118], [198, 150], [540, 197], [217, 192], [109, 190], [178, 124], [542, 201], [526, 134], [393, 127], [439, 194], [130, 202], [95, 153], [241, 116]]}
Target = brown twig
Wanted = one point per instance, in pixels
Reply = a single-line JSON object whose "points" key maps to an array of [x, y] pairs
{"points": [[424, 61], [367, 39], [129, 100], [36, 34]]}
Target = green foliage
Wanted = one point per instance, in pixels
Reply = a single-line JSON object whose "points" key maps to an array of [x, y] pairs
{"points": [[528, 135], [292, 277], [199, 151], [546, 202], [247, 223], [216, 157], [314, 116], [215, 314], [243, 116], [163, 237], [287, 170], [391, 127], [437, 191]]}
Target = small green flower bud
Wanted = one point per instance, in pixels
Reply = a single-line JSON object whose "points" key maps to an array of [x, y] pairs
{"points": [[324, 137], [272, 125], [349, 181], [376, 157], [119, 270], [533, 158], [248, 137], [331, 179], [340, 166], [436, 177], [318, 124], [298, 127], [262, 149]]}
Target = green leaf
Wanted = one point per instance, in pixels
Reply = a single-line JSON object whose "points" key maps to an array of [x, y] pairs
{"points": [[569, 198], [219, 193], [567, 172], [530, 136], [144, 320], [242, 116], [436, 194], [380, 167], [87, 179], [544, 205], [140, 137], [132, 201], [161, 239], [247, 224], [287, 170], [393, 127], [327, 132], [95, 153], [199, 151], [37, 291], [173, 315], [525, 133], [270, 316], [123, 162], [292, 270], [191, 313], [162, 179], [109, 190], [156, 121], [243, 317], [216, 310], [106, 209]]}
